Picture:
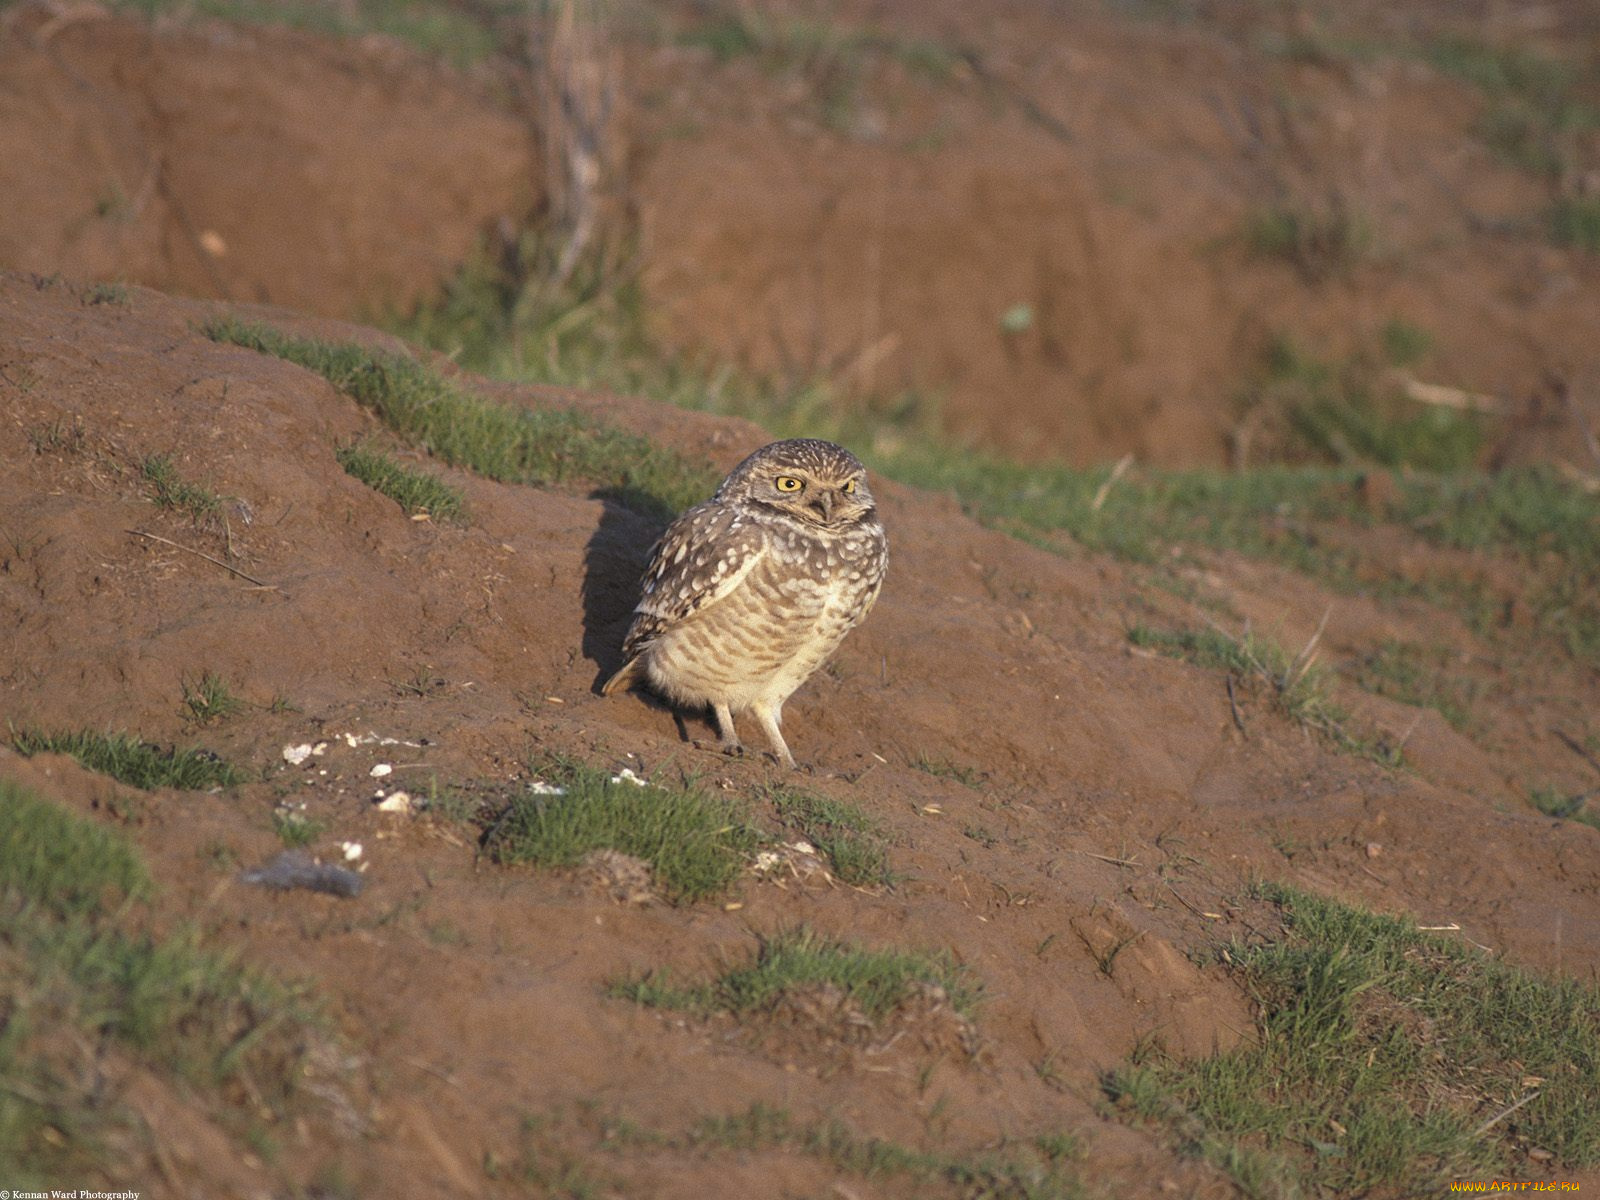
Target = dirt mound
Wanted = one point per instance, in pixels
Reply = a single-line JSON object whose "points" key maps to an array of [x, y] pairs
{"points": [[248, 163], [1122, 810]]}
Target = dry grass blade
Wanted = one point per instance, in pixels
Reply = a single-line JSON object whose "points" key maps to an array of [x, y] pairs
{"points": [[1308, 655], [1104, 490]]}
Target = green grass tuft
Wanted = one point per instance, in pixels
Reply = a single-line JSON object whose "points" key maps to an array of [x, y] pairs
{"points": [[209, 699], [128, 760], [173, 491], [108, 293], [79, 972], [499, 441], [70, 866], [295, 829], [1349, 413], [1553, 802], [696, 843], [1575, 221], [1417, 675], [1404, 344], [1386, 1061], [850, 839], [461, 37], [1297, 686], [414, 491], [1320, 243], [1022, 1173], [876, 980], [943, 768]]}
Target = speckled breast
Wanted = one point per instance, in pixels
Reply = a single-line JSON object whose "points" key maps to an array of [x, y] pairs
{"points": [[790, 614]]}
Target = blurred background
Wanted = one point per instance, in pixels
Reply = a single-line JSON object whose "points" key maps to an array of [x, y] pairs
{"points": [[1199, 233]]}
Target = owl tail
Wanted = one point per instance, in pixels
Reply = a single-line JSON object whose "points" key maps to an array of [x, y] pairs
{"points": [[631, 673]]}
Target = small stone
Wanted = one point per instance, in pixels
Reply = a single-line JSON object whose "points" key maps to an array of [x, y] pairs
{"points": [[352, 850], [626, 775], [394, 802], [379, 770], [295, 755], [1374, 849]]}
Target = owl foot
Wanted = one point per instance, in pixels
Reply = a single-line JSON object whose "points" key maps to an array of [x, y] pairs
{"points": [[731, 749]]}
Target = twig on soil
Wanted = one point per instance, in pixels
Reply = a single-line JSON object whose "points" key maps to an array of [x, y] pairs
{"points": [[1576, 747], [155, 537], [1116, 862], [1199, 912], [1234, 705], [1029, 106], [1504, 1112]]}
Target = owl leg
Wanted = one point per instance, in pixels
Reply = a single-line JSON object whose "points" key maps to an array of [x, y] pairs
{"points": [[728, 737], [770, 716]]}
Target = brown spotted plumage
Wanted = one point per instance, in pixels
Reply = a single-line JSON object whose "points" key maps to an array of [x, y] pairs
{"points": [[747, 594]]}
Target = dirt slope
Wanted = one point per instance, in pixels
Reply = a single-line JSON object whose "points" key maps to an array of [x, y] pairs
{"points": [[248, 163], [837, 211], [1118, 797]]}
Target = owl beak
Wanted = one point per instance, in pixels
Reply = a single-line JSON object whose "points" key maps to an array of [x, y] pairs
{"points": [[822, 503]]}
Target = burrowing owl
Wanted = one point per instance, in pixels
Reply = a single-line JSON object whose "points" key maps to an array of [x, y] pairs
{"points": [[748, 593]]}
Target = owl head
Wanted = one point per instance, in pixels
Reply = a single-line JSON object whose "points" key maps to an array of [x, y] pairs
{"points": [[814, 481]]}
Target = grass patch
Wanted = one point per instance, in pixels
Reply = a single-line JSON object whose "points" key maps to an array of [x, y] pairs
{"points": [[295, 829], [1535, 118], [1417, 675], [835, 60], [461, 37], [696, 843], [414, 491], [1575, 221], [79, 973], [1297, 686], [50, 857], [851, 840], [137, 763], [1404, 344], [1319, 242], [1029, 1171], [876, 980], [499, 441], [175, 492], [1387, 1061], [1038, 1168], [1553, 802], [1348, 412], [108, 293], [209, 699], [943, 768]]}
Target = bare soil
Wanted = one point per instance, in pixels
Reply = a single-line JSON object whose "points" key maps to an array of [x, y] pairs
{"points": [[1119, 813]]}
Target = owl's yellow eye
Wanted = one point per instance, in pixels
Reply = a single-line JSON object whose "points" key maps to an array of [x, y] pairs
{"points": [[788, 483], [849, 487]]}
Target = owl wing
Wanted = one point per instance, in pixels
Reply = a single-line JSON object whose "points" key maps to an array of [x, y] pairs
{"points": [[700, 559]]}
